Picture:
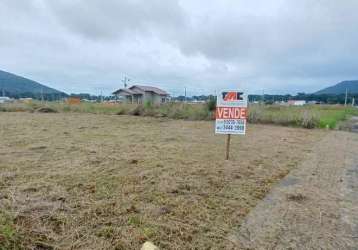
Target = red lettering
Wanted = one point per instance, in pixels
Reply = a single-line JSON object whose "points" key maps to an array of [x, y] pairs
{"points": [[243, 113], [226, 113], [231, 113], [219, 112]]}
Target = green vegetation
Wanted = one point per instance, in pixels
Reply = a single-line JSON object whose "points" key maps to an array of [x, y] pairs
{"points": [[170, 110], [313, 116], [310, 116], [9, 238]]}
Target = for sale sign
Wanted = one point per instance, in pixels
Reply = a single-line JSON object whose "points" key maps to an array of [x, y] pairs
{"points": [[231, 113]]}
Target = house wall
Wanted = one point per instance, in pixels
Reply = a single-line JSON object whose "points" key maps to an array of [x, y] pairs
{"points": [[128, 99], [160, 99], [153, 98], [138, 99], [135, 99]]}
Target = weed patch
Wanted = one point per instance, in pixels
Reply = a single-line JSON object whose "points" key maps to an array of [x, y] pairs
{"points": [[9, 237]]}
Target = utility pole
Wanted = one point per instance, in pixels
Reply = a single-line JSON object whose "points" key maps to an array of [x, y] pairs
{"points": [[346, 99], [125, 81], [184, 94], [42, 95]]}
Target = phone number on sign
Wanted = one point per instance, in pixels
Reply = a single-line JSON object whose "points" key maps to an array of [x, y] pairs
{"points": [[231, 125]]}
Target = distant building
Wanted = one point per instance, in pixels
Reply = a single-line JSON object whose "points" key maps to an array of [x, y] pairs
{"points": [[26, 100], [4, 99], [313, 102], [140, 94], [296, 102]]}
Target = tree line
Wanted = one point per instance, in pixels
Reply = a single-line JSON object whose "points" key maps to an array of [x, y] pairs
{"points": [[268, 99]]}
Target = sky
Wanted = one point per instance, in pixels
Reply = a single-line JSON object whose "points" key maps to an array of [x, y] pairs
{"points": [[270, 46]]}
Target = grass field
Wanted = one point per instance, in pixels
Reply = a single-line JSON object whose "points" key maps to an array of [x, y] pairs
{"points": [[311, 116], [86, 181]]}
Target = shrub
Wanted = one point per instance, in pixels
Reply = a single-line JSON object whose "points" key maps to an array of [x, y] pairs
{"points": [[148, 104], [309, 120], [46, 110], [211, 105], [121, 112], [66, 108], [137, 111], [9, 236]]}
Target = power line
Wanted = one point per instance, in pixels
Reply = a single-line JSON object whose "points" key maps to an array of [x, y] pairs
{"points": [[125, 81]]}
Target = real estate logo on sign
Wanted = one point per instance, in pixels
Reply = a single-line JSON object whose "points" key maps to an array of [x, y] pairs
{"points": [[231, 113]]}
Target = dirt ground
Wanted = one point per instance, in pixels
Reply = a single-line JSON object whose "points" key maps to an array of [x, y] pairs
{"points": [[81, 181], [314, 207]]}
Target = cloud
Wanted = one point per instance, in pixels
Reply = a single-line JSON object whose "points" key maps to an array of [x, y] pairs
{"points": [[88, 46], [112, 19]]}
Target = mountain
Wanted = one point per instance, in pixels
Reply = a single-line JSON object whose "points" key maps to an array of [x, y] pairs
{"points": [[340, 88], [16, 85]]}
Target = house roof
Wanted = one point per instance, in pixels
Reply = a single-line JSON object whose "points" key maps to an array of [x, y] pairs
{"points": [[150, 89], [125, 92], [139, 90]]}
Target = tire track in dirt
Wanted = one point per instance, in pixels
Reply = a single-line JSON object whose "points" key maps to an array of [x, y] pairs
{"points": [[314, 207]]}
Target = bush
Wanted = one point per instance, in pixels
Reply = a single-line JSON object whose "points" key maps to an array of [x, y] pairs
{"points": [[309, 120], [10, 237], [148, 104], [211, 105], [137, 111], [46, 110], [121, 112]]}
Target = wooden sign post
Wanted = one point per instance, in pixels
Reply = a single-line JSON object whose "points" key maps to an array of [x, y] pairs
{"points": [[231, 115], [228, 147]]}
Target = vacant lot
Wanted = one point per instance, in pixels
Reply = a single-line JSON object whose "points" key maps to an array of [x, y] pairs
{"points": [[82, 181]]}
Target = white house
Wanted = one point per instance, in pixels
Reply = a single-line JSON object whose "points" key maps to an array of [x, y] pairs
{"points": [[296, 102], [140, 94]]}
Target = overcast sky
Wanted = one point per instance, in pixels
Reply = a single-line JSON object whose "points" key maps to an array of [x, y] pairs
{"points": [[276, 46]]}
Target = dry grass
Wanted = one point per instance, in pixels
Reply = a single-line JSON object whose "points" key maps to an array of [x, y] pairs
{"points": [[82, 181]]}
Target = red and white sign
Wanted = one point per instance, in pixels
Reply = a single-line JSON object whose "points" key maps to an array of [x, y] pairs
{"points": [[231, 113]]}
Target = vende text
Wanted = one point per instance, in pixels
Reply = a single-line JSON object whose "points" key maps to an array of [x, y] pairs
{"points": [[231, 113]]}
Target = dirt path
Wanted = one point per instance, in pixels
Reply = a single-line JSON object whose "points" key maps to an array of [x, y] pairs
{"points": [[314, 207], [354, 127]]}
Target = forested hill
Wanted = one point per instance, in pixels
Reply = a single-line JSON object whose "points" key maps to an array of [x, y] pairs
{"points": [[14, 85], [340, 88]]}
